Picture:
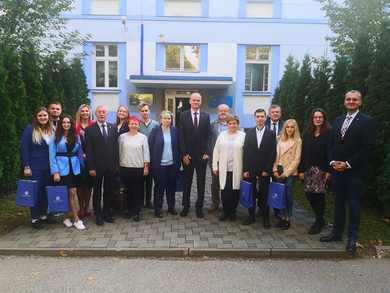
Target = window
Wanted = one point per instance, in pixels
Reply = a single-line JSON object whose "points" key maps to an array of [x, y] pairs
{"points": [[257, 68], [183, 8], [105, 7], [106, 66], [260, 9], [182, 58]]}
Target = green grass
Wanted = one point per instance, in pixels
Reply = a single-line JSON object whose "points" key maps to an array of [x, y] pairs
{"points": [[11, 216], [373, 229]]}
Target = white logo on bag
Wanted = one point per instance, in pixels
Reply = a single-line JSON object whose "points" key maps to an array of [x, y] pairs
{"points": [[58, 198], [26, 193], [275, 195]]}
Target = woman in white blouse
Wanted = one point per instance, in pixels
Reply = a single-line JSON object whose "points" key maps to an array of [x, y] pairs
{"points": [[134, 164], [227, 163]]}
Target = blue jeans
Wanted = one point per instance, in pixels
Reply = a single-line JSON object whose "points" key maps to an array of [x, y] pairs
{"points": [[346, 189], [289, 181]]}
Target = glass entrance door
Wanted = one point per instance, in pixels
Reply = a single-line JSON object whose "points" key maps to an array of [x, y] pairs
{"points": [[177, 101]]}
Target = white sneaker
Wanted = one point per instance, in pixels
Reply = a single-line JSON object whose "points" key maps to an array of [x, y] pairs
{"points": [[67, 223], [79, 225]]}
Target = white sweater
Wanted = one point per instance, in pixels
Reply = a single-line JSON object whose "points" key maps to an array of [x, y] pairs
{"points": [[133, 150]]}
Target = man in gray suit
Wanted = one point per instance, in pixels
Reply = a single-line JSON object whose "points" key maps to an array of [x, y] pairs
{"points": [[217, 126]]}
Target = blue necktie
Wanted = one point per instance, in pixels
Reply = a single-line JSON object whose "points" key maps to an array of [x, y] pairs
{"points": [[104, 132]]}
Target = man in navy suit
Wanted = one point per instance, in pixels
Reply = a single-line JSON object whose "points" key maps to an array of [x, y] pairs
{"points": [[259, 158], [195, 150], [275, 124], [351, 141], [102, 151]]}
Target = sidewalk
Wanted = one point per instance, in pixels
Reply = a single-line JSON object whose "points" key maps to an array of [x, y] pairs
{"points": [[174, 236]]}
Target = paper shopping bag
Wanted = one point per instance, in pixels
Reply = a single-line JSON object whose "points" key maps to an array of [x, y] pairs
{"points": [[277, 195], [57, 197], [246, 194], [27, 193]]}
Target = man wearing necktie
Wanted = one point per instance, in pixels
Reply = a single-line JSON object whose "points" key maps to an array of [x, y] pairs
{"points": [[102, 152], [275, 124], [195, 150], [351, 141]]}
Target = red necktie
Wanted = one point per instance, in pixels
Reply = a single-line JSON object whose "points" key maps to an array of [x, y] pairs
{"points": [[196, 122]]}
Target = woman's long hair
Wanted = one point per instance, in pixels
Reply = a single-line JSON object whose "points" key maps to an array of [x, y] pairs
{"points": [[325, 127], [60, 132], [78, 114], [39, 130], [296, 135], [118, 121]]}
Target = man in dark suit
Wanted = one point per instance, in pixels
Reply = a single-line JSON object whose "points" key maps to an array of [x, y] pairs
{"points": [[259, 158], [195, 150], [101, 149], [217, 126], [351, 141], [274, 123]]}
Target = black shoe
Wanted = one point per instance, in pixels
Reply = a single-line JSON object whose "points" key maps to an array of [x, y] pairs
{"points": [[37, 224], [315, 229], [48, 220], [53, 215], [278, 215], [108, 219], [129, 215], [149, 205], [137, 218], [158, 214], [172, 211], [266, 224], [351, 246], [233, 217], [279, 224], [331, 237], [249, 221], [223, 217], [259, 213], [99, 221], [286, 225], [112, 211], [199, 213], [184, 212]]}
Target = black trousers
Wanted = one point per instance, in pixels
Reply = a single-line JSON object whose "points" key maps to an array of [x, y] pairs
{"points": [[200, 167], [107, 178], [230, 196]]}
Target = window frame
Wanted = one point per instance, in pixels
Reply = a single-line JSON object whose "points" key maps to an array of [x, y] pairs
{"points": [[182, 58], [106, 59], [257, 60]]}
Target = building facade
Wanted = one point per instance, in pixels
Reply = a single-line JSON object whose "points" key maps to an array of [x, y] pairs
{"points": [[161, 51]]}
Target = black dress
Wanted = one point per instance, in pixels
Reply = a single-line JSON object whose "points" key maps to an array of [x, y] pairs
{"points": [[71, 180]]}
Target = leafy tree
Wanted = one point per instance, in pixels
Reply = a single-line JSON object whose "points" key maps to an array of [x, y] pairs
{"points": [[285, 89], [301, 91]]}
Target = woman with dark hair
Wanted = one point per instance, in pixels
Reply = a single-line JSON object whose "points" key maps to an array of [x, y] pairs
{"points": [[65, 160], [84, 119], [35, 159], [122, 119], [314, 168], [134, 164]]}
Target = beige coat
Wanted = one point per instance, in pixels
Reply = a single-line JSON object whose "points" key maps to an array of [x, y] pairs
{"points": [[220, 155], [290, 158]]}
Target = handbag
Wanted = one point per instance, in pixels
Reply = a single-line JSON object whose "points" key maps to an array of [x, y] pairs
{"points": [[27, 193], [246, 194], [277, 195], [57, 197], [315, 180], [120, 197]]}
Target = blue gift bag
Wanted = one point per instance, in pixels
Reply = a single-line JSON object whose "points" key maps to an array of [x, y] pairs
{"points": [[246, 194], [57, 197], [27, 193], [277, 195], [180, 181]]}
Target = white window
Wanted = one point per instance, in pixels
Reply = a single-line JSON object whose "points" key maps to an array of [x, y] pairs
{"points": [[105, 7], [261, 9], [183, 8], [106, 66], [257, 68], [182, 58]]}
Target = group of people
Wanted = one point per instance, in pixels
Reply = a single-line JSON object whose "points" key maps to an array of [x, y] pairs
{"points": [[84, 154]]}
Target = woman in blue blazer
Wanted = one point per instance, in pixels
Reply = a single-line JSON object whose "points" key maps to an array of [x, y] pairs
{"points": [[35, 159], [65, 159], [164, 162]]}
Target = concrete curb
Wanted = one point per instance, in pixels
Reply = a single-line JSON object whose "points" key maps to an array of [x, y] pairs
{"points": [[180, 253]]}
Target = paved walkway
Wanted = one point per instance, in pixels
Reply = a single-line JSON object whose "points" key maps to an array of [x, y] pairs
{"points": [[174, 236]]}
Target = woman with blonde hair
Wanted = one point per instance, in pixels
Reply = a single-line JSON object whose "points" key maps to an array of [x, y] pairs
{"points": [[35, 159], [285, 170], [84, 119]]}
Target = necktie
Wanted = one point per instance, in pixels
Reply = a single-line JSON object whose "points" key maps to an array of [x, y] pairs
{"points": [[104, 132], [345, 127], [196, 122], [274, 126]]}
